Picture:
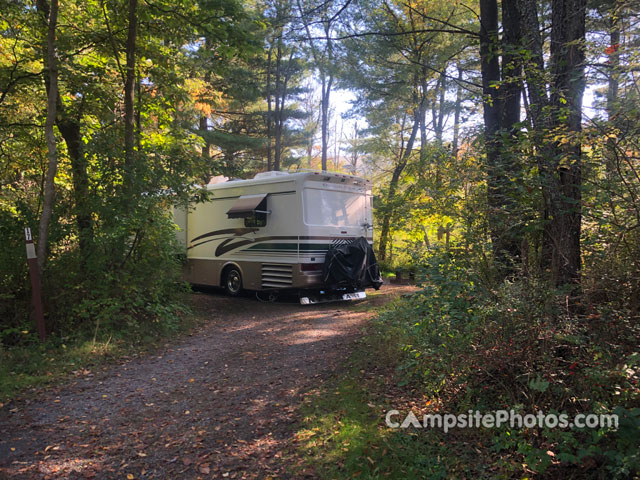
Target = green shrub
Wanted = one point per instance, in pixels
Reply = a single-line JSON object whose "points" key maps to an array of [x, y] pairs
{"points": [[470, 345]]}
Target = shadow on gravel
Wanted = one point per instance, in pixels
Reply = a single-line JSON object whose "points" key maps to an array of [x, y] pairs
{"points": [[220, 402]]}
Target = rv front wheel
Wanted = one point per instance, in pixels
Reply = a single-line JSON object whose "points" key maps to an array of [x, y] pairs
{"points": [[233, 282]]}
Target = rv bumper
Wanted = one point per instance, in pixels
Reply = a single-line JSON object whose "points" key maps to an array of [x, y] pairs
{"points": [[308, 279], [332, 297]]}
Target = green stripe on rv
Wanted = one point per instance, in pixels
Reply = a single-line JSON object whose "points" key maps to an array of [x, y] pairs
{"points": [[273, 246], [289, 246]]}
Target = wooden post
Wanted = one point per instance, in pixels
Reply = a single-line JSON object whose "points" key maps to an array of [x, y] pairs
{"points": [[36, 297]]}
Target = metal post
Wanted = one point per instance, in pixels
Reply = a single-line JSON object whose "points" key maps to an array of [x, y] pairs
{"points": [[34, 273]]}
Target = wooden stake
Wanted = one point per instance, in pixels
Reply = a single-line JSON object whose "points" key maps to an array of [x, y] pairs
{"points": [[34, 273]]}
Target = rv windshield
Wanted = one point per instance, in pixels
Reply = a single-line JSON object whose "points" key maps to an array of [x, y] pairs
{"points": [[333, 208]]}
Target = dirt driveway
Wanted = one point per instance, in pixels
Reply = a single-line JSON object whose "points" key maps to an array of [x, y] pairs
{"points": [[221, 403]]}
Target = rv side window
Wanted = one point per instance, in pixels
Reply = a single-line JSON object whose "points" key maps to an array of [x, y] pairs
{"points": [[258, 217], [256, 220]]}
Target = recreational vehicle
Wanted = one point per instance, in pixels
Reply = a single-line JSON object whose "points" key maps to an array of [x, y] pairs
{"points": [[273, 232]]}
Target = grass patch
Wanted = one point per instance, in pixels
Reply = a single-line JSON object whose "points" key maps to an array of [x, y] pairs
{"points": [[343, 434], [32, 364]]}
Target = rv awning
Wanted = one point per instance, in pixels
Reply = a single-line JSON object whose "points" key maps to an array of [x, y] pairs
{"points": [[248, 205]]}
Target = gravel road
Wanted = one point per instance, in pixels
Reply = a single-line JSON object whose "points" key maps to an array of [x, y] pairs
{"points": [[221, 402]]}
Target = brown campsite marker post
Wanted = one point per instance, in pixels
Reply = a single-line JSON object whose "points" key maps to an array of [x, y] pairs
{"points": [[36, 297]]}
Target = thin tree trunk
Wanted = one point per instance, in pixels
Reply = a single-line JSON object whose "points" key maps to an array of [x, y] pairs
{"points": [[326, 92], [614, 65], [501, 92], [441, 107], [425, 237], [325, 68], [70, 131], [559, 162], [511, 86], [52, 97], [129, 95], [534, 68], [204, 119], [69, 128], [277, 112], [336, 144], [456, 114], [535, 76], [510, 172], [434, 116], [490, 70], [204, 128], [282, 111], [385, 230], [423, 118], [269, 120], [138, 129], [327, 71], [613, 86]]}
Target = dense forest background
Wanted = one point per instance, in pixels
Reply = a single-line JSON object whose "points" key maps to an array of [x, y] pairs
{"points": [[502, 139]]}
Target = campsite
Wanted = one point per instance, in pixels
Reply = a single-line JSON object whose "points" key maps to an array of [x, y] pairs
{"points": [[319, 239]]}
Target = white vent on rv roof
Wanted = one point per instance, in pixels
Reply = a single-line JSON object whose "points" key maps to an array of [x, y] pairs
{"points": [[270, 174]]}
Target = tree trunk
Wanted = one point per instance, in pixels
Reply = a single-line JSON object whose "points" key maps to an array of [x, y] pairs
{"points": [[327, 72], [456, 114], [423, 118], [614, 64], [613, 86], [510, 167], [501, 107], [327, 81], [385, 230], [324, 64], [441, 107], [535, 76], [129, 96], [204, 128], [559, 162], [52, 97], [490, 70], [511, 87], [281, 111], [277, 112], [565, 176], [70, 130], [204, 120], [533, 68], [269, 120]]}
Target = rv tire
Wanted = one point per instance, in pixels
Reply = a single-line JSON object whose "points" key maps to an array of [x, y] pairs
{"points": [[232, 281]]}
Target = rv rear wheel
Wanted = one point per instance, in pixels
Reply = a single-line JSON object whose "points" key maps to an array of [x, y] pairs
{"points": [[232, 282]]}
